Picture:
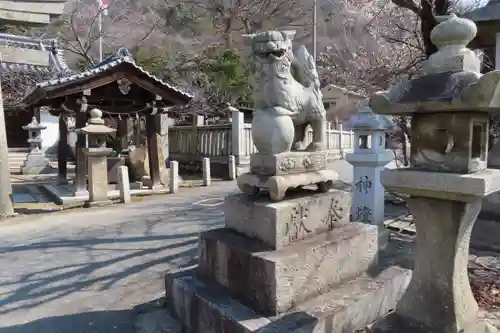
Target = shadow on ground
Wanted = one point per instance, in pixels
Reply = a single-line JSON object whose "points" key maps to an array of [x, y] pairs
{"points": [[90, 322], [93, 264]]}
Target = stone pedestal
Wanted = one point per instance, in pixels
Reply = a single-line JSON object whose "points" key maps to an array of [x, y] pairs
{"points": [[277, 173], [368, 192], [297, 265], [98, 175], [445, 206], [35, 163]]}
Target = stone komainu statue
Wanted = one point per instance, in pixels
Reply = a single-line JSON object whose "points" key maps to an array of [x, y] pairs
{"points": [[287, 86]]}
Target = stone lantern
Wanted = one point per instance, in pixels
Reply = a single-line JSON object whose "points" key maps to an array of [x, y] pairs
{"points": [[36, 161], [447, 181], [97, 154], [369, 158]]}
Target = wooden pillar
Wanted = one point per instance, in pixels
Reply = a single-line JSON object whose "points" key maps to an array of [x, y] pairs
{"points": [[198, 120], [62, 151], [36, 114], [163, 143], [152, 131], [81, 165], [122, 133], [137, 133]]}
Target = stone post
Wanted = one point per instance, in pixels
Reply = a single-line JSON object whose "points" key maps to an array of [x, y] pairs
{"points": [[207, 178], [35, 161], [447, 181], [6, 204], [97, 154], [174, 176], [237, 127], [232, 167], [124, 184], [369, 159]]}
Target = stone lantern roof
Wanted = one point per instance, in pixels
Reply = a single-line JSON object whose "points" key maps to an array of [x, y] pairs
{"points": [[451, 81], [34, 125], [490, 12], [96, 125], [365, 119]]}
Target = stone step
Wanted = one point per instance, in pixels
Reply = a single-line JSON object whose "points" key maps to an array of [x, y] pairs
{"points": [[274, 281], [24, 150], [17, 158], [202, 306]]}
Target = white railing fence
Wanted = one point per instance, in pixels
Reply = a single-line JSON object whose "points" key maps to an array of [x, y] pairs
{"points": [[192, 143]]}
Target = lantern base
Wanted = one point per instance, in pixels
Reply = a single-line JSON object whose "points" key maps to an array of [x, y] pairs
{"points": [[445, 207], [35, 163], [103, 203]]}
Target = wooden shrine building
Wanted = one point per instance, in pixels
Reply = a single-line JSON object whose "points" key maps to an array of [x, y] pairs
{"points": [[120, 89]]}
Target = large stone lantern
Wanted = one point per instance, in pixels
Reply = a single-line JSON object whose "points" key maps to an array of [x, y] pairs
{"points": [[97, 154], [447, 181], [369, 158], [35, 161]]}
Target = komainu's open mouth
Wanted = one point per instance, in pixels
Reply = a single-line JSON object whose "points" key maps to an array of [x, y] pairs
{"points": [[276, 53]]}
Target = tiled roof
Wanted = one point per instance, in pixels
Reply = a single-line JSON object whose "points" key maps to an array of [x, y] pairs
{"points": [[6, 67], [490, 12], [108, 64], [57, 61]]}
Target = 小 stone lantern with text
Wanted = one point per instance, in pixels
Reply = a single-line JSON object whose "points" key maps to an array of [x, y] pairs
{"points": [[449, 106], [369, 157]]}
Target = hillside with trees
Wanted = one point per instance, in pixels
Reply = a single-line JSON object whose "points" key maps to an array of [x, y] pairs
{"points": [[362, 44], [197, 43]]}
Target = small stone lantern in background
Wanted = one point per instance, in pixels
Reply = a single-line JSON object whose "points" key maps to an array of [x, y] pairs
{"points": [[449, 107], [369, 158], [97, 154], [36, 161]]}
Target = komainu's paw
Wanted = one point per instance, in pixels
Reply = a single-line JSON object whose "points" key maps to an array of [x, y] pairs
{"points": [[315, 146], [299, 146]]}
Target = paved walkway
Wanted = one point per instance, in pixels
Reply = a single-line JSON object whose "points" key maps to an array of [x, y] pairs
{"points": [[82, 271]]}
